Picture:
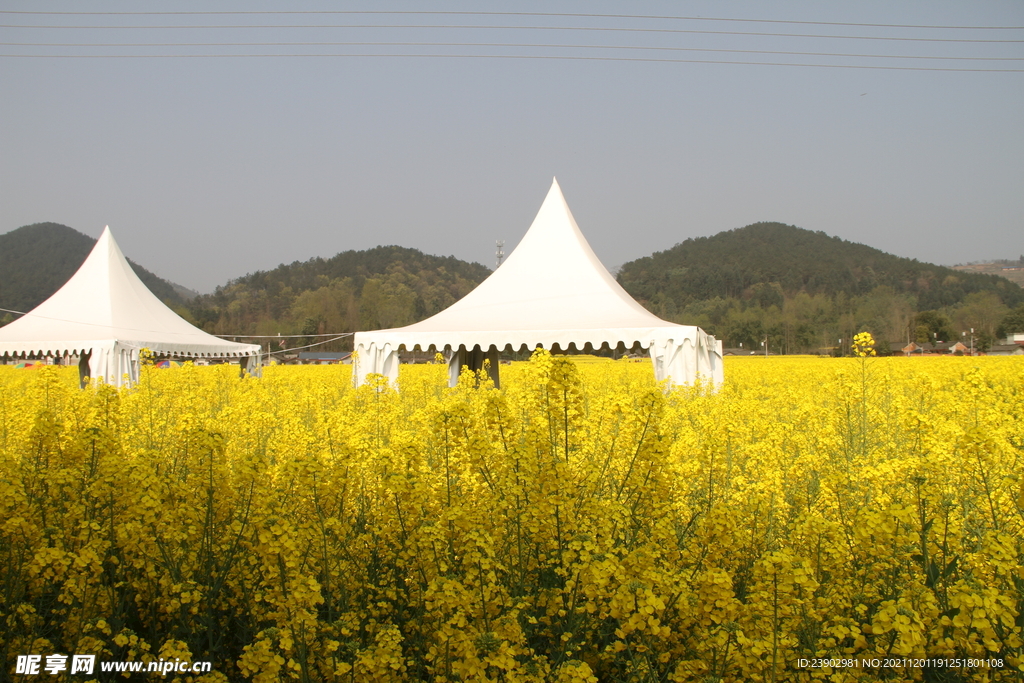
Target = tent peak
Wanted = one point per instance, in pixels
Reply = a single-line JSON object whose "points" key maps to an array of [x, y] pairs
{"points": [[103, 244], [555, 187]]}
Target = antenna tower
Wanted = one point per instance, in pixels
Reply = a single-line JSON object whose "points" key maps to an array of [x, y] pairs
{"points": [[499, 253]]}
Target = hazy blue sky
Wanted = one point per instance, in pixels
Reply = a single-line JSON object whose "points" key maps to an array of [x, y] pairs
{"points": [[210, 167]]}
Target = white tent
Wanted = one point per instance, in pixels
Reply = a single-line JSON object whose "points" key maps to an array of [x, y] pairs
{"points": [[106, 315], [551, 290]]}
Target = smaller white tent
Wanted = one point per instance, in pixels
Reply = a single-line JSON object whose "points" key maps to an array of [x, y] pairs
{"points": [[106, 315], [552, 290]]}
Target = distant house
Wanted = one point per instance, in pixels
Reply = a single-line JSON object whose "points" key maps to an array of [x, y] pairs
{"points": [[1006, 350], [744, 352], [936, 349], [890, 348], [912, 348], [419, 357], [323, 357], [958, 348]]}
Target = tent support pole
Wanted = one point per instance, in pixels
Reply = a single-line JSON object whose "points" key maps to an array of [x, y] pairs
{"points": [[474, 360], [83, 368]]}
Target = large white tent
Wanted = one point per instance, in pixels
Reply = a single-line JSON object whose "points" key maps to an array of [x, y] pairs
{"points": [[552, 290], [106, 315]]}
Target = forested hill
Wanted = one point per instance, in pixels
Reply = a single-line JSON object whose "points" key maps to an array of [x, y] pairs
{"points": [[36, 260], [730, 263], [355, 290], [823, 284]]}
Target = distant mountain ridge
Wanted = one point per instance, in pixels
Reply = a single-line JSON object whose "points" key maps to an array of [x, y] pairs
{"points": [[387, 286], [36, 260], [804, 291], [731, 263], [798, 289]]}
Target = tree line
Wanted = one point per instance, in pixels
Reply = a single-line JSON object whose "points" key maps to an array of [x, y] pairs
{"points": [[805, 292], [387, 286], [801, 291]]}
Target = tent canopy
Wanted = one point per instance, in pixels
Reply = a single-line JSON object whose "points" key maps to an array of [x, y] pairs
{"points": [[552, 290], [105, 312]]}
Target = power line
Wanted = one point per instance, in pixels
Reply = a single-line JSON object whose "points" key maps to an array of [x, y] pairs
{"points": [[577, 15], [335, 335], [516, 45], [534, 57], [89, 324], [307, 346], [524, 28]]}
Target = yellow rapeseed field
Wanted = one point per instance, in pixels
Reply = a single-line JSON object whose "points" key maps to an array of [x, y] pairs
{"points": [[817, 519]]}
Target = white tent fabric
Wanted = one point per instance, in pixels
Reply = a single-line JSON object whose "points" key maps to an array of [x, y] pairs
{"points": [[106, 313], [551, 290]]}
